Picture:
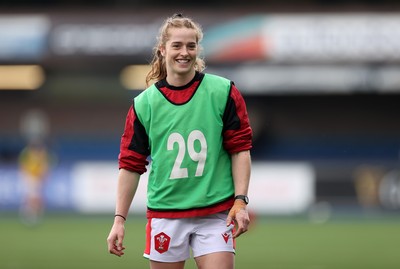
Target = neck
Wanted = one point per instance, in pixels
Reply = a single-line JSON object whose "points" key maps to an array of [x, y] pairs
{"points": [[178, 80]]}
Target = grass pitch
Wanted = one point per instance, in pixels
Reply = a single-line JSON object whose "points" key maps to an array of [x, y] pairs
{"points": [[75, 241]]}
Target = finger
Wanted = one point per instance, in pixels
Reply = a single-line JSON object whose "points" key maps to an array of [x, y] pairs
{"points": [[120, 251], [119, 248], [229, 221], [113, 248], [120, 240], [119, 245], [116, 251], [242, 227], [110, 245], [230, 228], [239, 231]]}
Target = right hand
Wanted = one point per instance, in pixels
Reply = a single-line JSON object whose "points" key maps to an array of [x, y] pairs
{"points": [[240, 216], [115, 238]]}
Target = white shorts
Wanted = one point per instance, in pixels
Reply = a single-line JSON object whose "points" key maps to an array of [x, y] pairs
{"points": [[170, 240]]}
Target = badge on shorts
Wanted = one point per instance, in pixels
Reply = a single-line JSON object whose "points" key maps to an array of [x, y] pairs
{"points": [[161, 242], [228, 232], [226, 237]]}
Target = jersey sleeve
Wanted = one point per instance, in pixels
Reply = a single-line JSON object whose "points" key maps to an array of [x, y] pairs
{"points": [[134, 147], [237, 132]]}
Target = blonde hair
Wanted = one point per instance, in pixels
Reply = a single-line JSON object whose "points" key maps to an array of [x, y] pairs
{"points": [[158, 69]]}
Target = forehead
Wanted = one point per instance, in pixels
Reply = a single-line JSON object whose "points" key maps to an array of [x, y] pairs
{"points": [[181, 35]]}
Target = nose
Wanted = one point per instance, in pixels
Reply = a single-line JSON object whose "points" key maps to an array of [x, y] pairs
{"points": [[184, 50]]}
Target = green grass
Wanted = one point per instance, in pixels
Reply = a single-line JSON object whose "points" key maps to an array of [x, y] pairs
{"points": [[80, 242]]}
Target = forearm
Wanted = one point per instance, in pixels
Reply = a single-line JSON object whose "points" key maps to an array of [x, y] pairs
{"points": [[127, 184], [241, 169]]}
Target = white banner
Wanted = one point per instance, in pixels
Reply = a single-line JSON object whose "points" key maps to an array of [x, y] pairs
{"points": [[281, 188], [275, 188]]}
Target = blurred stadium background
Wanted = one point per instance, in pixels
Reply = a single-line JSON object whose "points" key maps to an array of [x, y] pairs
{"points": [[322, 83]]}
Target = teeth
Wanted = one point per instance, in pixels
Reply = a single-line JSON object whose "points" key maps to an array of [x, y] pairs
{"points": [[182, 61]]}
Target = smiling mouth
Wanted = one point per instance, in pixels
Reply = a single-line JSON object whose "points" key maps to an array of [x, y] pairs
{"points": [[183, 61]]}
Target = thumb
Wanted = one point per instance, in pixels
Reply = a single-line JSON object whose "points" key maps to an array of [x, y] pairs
{"points": [[120, 238]]}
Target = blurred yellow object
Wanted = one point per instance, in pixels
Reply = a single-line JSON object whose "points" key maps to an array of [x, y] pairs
{"points": [[34, 161], [21, 77], [133, 76]]}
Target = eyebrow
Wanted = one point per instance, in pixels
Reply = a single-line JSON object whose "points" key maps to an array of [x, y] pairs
{"points": [[180, 42]]}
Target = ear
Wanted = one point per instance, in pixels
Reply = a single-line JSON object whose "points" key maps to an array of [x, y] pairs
{"points": [[162, 50]]}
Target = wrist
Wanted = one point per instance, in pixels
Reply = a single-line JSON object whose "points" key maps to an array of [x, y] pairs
{"points": [[119, 217], [243, 198], [240, 203]]}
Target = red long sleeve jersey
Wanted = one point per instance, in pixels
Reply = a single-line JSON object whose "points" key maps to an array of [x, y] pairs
{"points": [[237, 133]]}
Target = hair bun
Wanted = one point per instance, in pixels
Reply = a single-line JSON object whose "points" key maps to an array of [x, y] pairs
{"points": [[177, 15]]}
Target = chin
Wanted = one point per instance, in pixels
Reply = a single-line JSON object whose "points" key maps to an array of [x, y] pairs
{"points": [[184, 71]]}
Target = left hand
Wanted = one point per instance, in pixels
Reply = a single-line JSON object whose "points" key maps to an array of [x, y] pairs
{"points": [[115, 239], [240, 216]]}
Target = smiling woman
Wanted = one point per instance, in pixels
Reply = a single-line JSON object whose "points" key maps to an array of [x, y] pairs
{"points": [[21, 77], [196, 129]]}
